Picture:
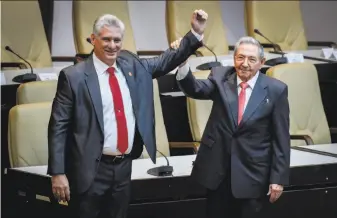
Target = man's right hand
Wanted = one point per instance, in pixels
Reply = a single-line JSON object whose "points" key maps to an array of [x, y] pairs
{"points": [[60, 187]]}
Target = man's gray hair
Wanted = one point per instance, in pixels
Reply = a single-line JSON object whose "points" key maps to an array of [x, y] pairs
{"points": [[107, 20], [252, 41]]}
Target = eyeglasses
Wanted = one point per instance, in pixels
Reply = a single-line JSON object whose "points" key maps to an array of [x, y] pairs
{"points": [[251, 60]]}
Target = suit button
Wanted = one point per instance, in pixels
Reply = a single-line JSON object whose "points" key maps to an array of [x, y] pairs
{"points": [[98, 159]]}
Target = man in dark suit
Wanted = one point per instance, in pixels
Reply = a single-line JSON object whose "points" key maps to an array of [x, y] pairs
{"points": [[103, 114], [245, 149]]}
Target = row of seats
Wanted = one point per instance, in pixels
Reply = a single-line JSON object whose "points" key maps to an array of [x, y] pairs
{"points": [[263, 15], [29, 119], [28, 124]]}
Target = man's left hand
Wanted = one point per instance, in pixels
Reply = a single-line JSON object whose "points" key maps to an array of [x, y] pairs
{"points": [[275, 192], [198, 21]]}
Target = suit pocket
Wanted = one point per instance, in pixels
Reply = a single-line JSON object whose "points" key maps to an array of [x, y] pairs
{"points": [[207, 141]]}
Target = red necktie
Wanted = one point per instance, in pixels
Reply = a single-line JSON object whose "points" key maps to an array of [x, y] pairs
{"points": [[242, 100], [122, 131]]}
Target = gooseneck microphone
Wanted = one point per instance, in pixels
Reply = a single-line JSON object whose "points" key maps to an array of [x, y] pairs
{"points": [[209, 65], [162, 170], [277, 49], [28, 77]]}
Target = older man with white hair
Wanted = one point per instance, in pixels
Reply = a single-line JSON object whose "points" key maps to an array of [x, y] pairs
{"points": [[244, 156], [103, 114]]}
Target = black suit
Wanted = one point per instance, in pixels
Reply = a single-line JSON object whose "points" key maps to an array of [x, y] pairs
{"points": [[75, 134], [245, 158]]}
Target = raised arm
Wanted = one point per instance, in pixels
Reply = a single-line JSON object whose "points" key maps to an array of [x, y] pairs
{"points": [[172, 58], [192, 87]]}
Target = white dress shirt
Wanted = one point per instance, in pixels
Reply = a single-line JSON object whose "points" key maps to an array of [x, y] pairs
{"points": [[183, 71], [109, 117]]}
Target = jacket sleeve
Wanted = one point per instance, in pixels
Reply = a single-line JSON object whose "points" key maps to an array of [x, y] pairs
{"points": [[60, 120], [172, 58], [281, 144]]}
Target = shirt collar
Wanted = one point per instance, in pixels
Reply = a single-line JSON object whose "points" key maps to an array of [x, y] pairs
{"points": [[100, 66], [250, 82]]}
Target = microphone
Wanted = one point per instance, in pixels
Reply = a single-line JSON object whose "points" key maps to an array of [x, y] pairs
{"points": [[209, 65], [277, 49], [162, 170], [28, 77]]}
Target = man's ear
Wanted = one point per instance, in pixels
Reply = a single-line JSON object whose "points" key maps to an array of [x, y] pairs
{"points": [[92, 38], [263, 60]]}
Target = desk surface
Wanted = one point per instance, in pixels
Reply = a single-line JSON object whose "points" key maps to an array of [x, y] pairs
{"points": [[330, 148], [8, 75], [182, 165]]}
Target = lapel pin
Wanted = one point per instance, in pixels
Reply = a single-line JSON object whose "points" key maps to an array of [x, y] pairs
{"points": [[130, 74], [267, 100]]}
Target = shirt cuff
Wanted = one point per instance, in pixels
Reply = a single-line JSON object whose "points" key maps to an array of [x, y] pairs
{"points": [[183, 71], [197, 35]]}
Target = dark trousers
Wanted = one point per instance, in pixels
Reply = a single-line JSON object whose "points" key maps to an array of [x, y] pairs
{"points": [[222, 204], [109, 194]]}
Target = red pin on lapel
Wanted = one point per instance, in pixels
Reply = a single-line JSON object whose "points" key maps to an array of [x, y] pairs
{"points": [[130, 74]]}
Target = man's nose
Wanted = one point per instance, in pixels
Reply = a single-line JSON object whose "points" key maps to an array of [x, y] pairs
{"points": [[112, 44], [245, 62]]}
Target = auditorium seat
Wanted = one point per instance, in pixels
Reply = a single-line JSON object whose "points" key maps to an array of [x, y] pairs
{"points": [[178, 23], [34, 92], [281, 22], [27, 134], [308, 122], [198, 111], [22, 29], [86, 12]]}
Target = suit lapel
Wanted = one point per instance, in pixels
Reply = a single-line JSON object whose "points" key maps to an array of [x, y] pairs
{"points": [[230, 88], [92, 83], [129, 75], [258, 95]]}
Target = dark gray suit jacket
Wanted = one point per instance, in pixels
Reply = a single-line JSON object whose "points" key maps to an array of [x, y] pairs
{"points": [[258, 150], [75, 132]]}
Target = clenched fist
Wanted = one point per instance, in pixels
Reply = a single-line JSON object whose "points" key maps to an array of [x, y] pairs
{"points": [[198, 21]]}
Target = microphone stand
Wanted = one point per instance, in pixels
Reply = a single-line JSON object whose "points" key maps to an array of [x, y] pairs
{"points": [[161, 170], [277, 49], [209, 65], [28, 77]]}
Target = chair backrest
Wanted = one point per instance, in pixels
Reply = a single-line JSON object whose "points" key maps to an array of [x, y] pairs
{"points": [[161, 135], [280, 21], [86, 12], [34, 92], [307, 116], [22, 29], [198, 111], [27, 134], [178, 23]]}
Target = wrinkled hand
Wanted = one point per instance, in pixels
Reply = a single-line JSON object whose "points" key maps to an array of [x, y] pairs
{"points": [[60, 187], [275, 192], [198, 21]]}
